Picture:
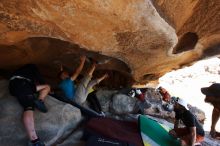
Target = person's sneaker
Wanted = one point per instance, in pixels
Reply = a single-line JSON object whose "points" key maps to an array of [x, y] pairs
{"points": [[38, 143], [39, 104], [131, 93]]}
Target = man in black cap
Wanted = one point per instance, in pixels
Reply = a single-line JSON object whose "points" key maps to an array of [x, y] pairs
{"points": [[213, 96]]}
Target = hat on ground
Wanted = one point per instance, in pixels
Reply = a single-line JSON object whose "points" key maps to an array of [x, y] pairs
{"points": [[182, 102], [213, 90]]}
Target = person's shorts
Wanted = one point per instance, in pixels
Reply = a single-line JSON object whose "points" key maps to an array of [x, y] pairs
{"points": [[24, 91]]}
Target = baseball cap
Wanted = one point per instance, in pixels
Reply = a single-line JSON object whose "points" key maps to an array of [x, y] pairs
{"points": [[182, 102], [213, 90]]}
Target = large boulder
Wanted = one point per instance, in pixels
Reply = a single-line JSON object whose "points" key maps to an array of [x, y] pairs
{"points": [[123, 104], [105, 98], [141, 39], [73, 139], [119, 105], [60, 120]]}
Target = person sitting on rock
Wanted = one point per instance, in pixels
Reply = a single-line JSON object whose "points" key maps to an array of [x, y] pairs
{"points": [[24, 83], [167, 98], [193, 132], [138, 93], [213, 96], [79, 92], [165, 94]]}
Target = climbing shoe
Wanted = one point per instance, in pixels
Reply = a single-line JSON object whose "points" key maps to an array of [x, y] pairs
{"points": [[37, 143], [39, 104]]}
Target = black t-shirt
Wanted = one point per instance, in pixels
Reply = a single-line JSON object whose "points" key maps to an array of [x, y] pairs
{"points": [[190, 120], [30, 71]]}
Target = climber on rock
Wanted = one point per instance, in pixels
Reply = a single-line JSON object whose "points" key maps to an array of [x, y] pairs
{"points": [[79, 92], [24, 84]]}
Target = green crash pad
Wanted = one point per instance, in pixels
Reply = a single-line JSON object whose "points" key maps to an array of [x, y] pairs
{"points": [[153, 133]]}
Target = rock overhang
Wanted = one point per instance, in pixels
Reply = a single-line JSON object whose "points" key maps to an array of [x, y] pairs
{"points": [[143, 39]]}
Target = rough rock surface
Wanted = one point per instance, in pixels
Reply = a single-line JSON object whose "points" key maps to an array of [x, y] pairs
{"points": [[73, 139], [157, 110], [119, 105], [123, 104], [143, 39], [55, 127], [105, 99], [51, 127]]}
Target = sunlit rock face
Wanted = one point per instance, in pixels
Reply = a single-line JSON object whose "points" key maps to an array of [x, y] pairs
{"points": [[141, 40]]}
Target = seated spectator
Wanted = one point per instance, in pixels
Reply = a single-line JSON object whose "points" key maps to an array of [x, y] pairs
{"points": [[167, 100], [140, 95]]}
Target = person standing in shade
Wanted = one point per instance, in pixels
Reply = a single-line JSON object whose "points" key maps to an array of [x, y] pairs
{"points": [[24, 84], [213, 96], [193, 132]]}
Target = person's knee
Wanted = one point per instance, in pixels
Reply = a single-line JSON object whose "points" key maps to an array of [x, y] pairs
{"points": [[43, 88], [48, 88], [28, 116]]}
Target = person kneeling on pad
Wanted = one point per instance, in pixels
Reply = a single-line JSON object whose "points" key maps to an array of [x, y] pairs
{"points": [[193, 131]]}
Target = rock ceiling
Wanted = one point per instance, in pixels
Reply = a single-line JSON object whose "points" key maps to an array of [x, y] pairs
{"points": [[141, 39]]}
